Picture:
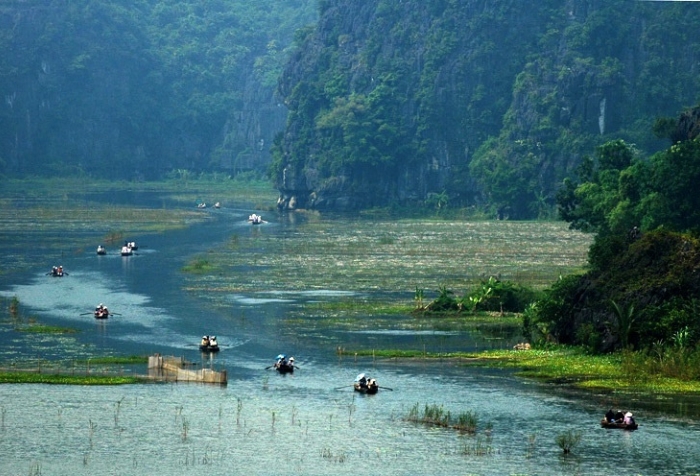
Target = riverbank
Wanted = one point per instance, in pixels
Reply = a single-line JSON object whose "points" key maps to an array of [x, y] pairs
{"points": [[567, 366]]}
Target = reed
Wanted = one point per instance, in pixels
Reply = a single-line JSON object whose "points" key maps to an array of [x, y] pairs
{"points": [[327, 454], [14, 307], [59, 379], [185, 429], [35, 469], [436, 415], [478, 448], [568, 440]]}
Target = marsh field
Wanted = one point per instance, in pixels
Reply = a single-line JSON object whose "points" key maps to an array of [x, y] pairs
{"points": [[305, 284]]}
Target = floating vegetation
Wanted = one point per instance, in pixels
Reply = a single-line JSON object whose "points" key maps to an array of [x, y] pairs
{"points": [[44, 329], [65, 379], [436, 415], [114, 360], [198, 266]]}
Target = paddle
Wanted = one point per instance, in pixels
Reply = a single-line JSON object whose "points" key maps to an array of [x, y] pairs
{"points": [[114, 313], [86, 313], [344, 386], [386, 388], [269, 367]]}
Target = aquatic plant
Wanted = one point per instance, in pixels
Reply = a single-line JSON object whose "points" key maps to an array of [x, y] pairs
{"points": [[478, 448], [14, 307], [567, 440], [60, 379], [198, 266], [466, 422], [327, 454], [418, 297], [35, 469], [185, 429], [239, 408], [44, 329], [436, 415]]}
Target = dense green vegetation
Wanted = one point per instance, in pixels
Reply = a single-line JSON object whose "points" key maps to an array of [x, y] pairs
{"points": [[487, 104], [138, 88], [62, 379], [642, 288]]}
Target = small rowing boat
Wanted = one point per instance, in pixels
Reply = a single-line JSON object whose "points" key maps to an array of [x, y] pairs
{"points": [[284, 366], [209, 344], [101, 312], [363, 384], [619, 425]]}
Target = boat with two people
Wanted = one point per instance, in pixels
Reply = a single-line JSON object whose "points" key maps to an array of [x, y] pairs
{"points": [[127, 250], [255, 219], [619, 420], [56, 272], [283, 365], [364, 384], [101, 250], [209, 344], [101, 311]]}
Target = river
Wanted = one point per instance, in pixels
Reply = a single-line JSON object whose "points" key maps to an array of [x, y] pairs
{"points": [[263, 423]]}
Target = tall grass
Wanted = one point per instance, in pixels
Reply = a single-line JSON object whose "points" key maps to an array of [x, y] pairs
{"points": [[436, 415]]}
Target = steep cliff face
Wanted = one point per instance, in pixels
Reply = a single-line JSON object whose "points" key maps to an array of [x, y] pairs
{"points": [[137, 88], [486, 102]]}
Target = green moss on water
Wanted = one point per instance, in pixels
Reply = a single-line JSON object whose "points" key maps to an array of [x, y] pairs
{"points": [[61, 379], [199, 266], [114, 360], [44, 329]]}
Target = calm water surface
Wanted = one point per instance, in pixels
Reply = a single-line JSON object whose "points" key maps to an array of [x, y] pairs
{"points": [[263, 423]]}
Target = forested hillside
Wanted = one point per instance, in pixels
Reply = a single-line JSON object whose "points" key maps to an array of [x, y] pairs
{"points": [[137, 88], [474, 102]]}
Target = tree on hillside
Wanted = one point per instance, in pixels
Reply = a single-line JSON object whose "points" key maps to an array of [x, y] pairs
{"points": [[642, 287]]}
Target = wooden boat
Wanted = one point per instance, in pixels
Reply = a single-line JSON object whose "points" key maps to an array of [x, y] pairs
{"points": [[369, 388], [363, 384], [126, 251], [618, 425], [255, 219], [132, 245], [209, 344], [101, 250], [56, 272], [101, 313], [284, 367]]}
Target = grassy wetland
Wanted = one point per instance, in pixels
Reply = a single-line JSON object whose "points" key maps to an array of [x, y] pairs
{"points": [[359, 275]]}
